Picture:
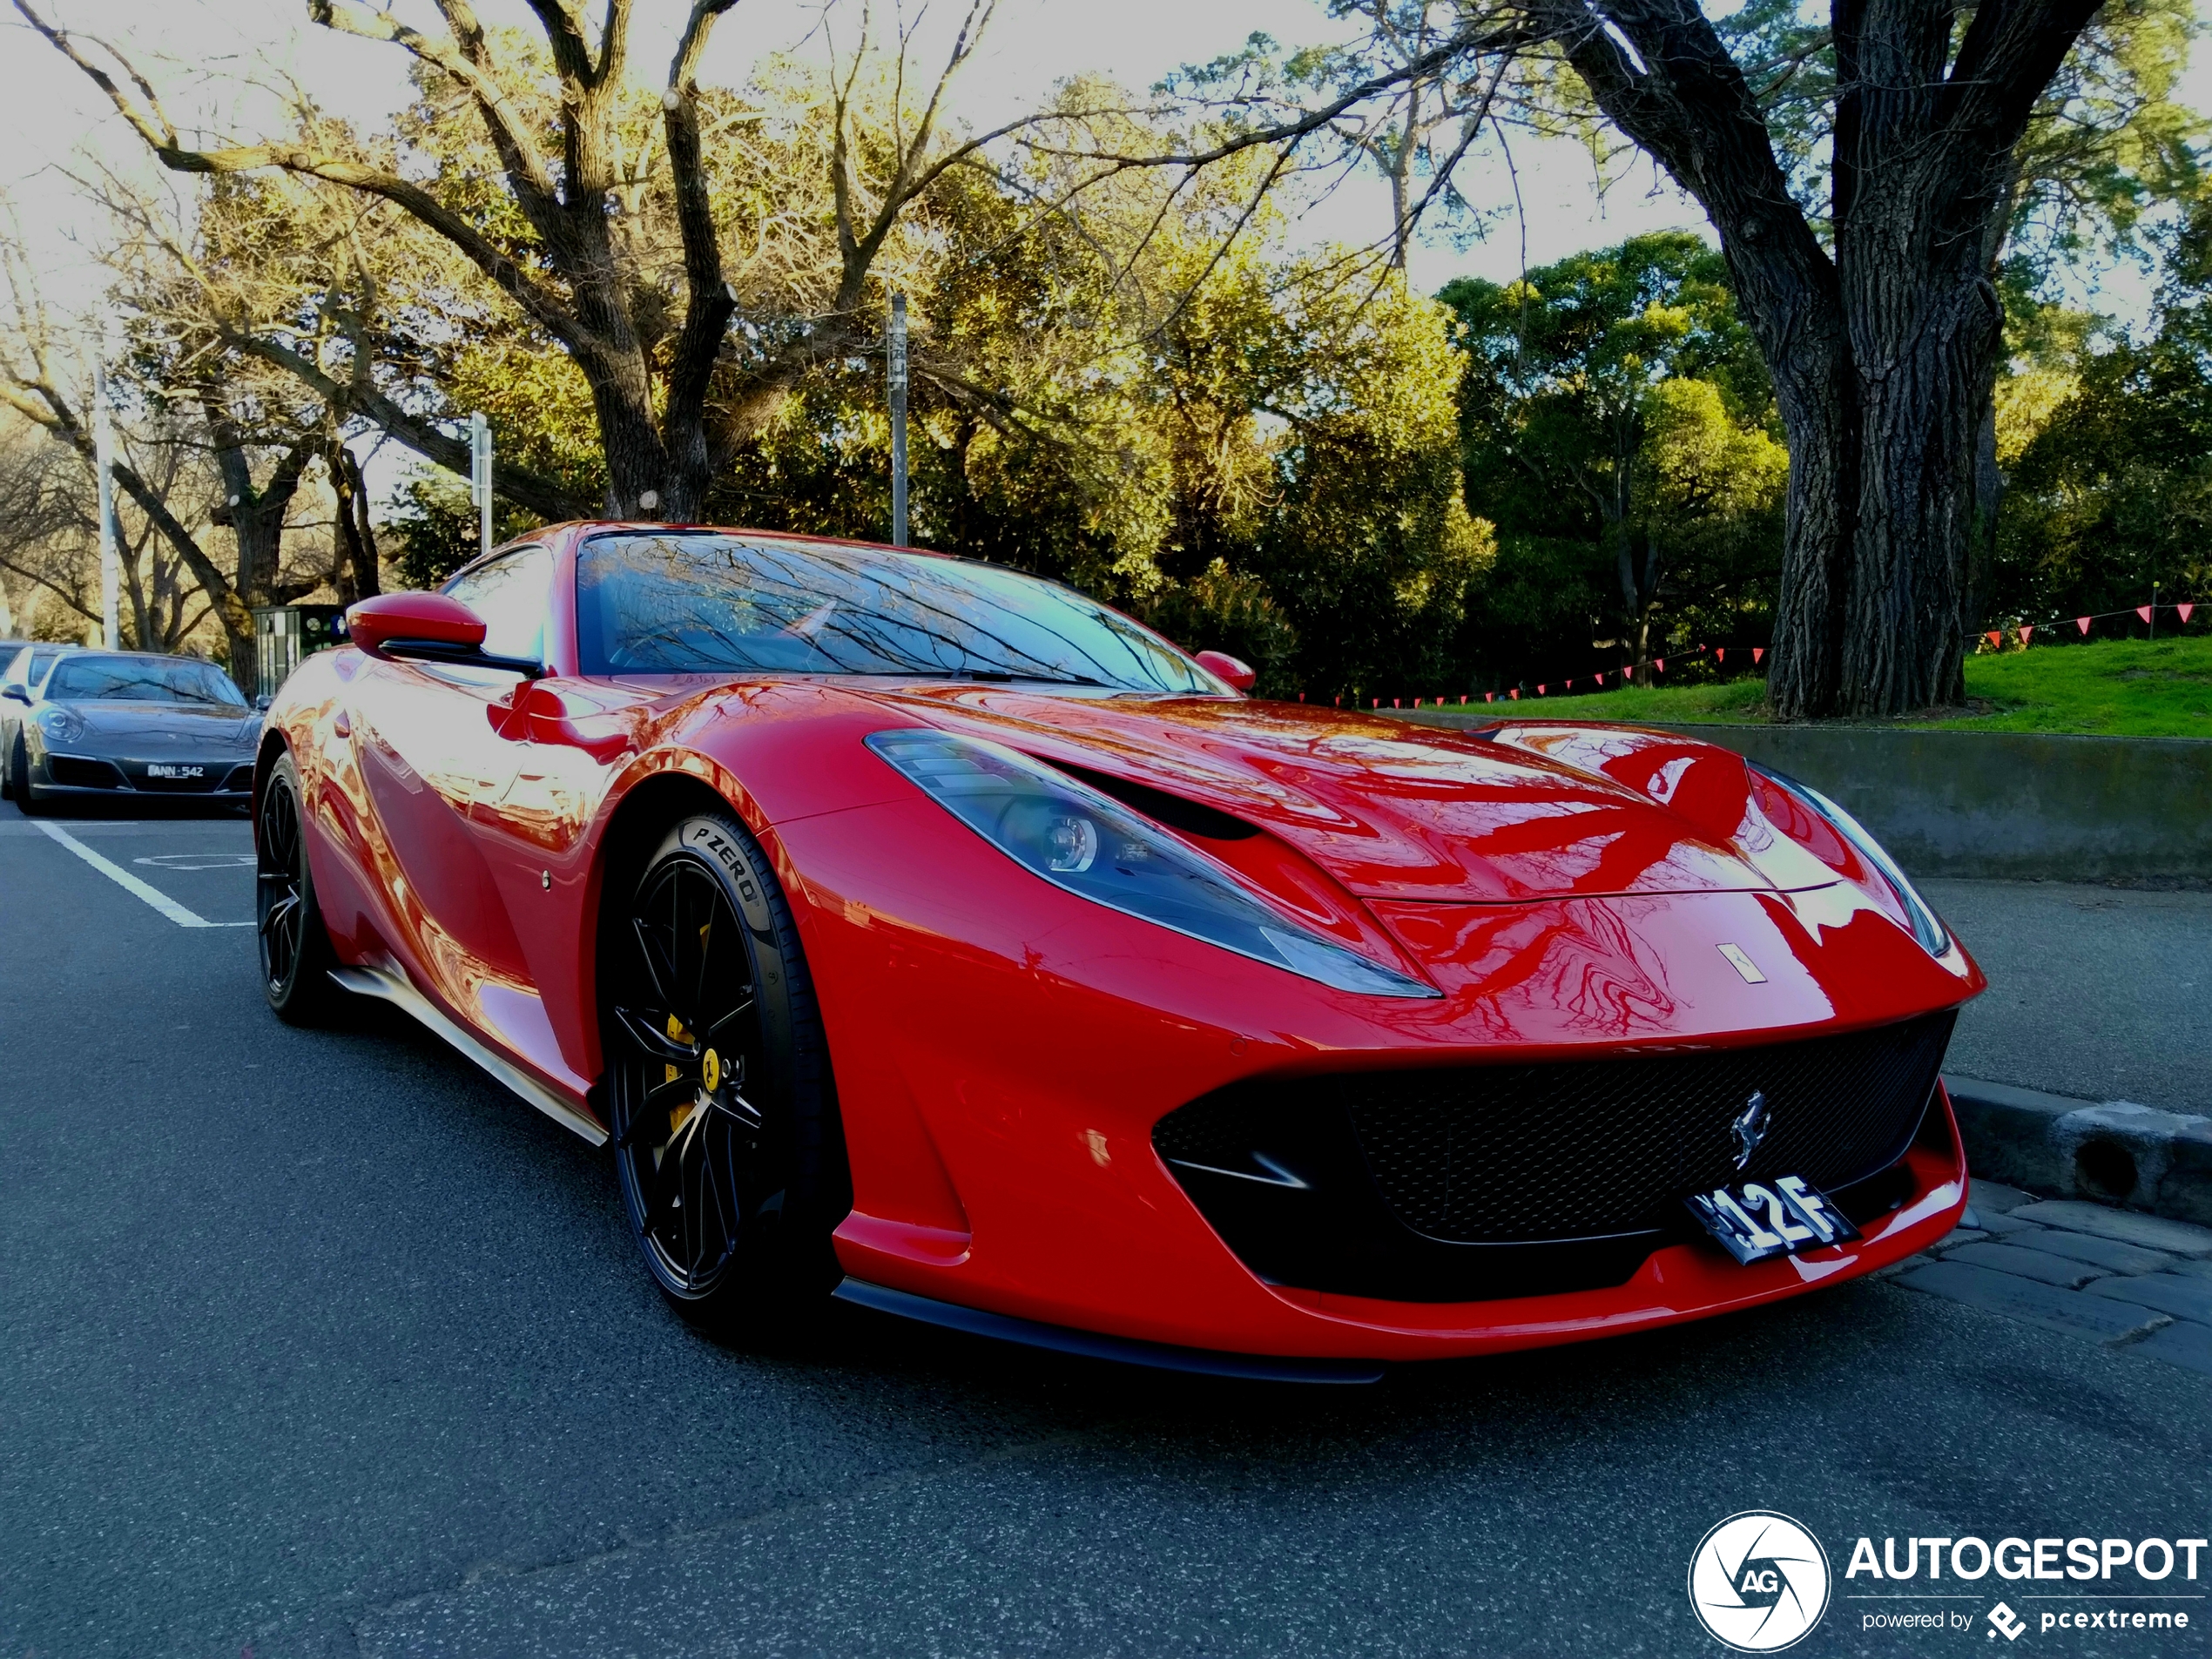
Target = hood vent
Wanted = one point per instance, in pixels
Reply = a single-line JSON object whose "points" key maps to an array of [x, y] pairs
{"points": [[1185, 817]]}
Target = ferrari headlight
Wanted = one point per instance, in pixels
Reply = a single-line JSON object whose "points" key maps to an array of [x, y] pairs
{"points": [[1927, 926], [1091, 844]]}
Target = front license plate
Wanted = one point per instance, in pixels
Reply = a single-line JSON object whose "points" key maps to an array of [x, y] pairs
{"points": [[159, 770], [1763, 1218]]}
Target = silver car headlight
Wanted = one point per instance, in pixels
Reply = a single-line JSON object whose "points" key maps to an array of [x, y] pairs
{"points": [[58, 724], [1089, 844], [1927, 926]]}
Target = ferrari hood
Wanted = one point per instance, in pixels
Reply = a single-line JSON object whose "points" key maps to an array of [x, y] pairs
{"points": [[1396, 811]]}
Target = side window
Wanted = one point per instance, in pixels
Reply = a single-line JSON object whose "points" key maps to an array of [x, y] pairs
{"points": [[510, 594]]}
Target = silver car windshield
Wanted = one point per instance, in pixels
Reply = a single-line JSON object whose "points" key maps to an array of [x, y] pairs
{"points": [[141, 680], [691, 603]]}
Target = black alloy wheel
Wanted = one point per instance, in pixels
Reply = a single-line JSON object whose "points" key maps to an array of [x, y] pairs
{"points": [[724, 1125], [296, 957]]}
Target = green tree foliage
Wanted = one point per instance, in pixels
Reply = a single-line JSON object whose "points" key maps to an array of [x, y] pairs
{"points": [[1257, 452], [1620, 431], [2110, 446]]}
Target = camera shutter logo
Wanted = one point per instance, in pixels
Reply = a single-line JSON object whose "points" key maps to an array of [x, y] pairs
{"points": [[1758, 1582]]}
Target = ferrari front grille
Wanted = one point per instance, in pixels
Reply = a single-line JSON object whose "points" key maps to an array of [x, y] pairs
{"points": [[1603, 1146], [1497, 1180]]}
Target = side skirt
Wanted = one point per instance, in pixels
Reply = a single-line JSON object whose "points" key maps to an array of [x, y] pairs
{"points": [[395, 988], [1091, 1344]]}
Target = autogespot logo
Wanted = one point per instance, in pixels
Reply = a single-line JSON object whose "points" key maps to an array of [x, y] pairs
{"points": [[1758, 1582]]}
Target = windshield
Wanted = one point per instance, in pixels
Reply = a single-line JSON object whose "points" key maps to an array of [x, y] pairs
{"points": [[112, 679], [677, 604]]}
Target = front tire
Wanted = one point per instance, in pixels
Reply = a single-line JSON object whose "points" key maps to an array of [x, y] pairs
{"points": [[295, 951], [26, 794], [725, 1133]]}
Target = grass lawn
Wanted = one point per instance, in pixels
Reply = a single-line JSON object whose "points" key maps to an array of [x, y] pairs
{"points": [[2131, 688]]}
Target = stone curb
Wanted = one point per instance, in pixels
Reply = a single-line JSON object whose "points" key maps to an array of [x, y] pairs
{"points": [[2110, 1153]]}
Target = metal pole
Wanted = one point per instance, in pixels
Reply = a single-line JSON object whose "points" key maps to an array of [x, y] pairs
{"points": [[479, 477], [2153, 612], [104, 453], [897, 354]]}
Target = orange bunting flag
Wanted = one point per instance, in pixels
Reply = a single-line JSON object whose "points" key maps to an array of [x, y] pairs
{"points": [[2082, 623], [1463, 700], [1996, 640], [1626, 672], [2186, 609], [1540, 690], [1514, 694], [1758, 652], [2025, 632], [1720, 653], [1659, 663], [2143, 612], [1376, 703], [1395, 704]]}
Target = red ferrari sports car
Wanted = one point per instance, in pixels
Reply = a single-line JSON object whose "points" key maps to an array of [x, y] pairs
{"points": [[927, 933]]}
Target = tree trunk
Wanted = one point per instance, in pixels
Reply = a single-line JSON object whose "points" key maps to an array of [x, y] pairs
{"points": [[1882, 356], [1639, 587], [1981, 547], [356, 576], [1884, 503]]}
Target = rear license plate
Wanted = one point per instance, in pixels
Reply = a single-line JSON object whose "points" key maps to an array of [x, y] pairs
{"points": [[1763, 1218], [159, 770]]}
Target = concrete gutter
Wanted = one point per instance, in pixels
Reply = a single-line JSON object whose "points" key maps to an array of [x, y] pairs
{"points": [[2111, 1152], [1998, 805]]}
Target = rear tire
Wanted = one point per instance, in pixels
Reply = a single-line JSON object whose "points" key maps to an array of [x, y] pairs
{"points": [[725, 1134], [295, 951]]}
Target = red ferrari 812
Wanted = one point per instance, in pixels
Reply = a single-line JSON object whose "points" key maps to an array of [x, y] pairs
{"points": [[926, 934]]}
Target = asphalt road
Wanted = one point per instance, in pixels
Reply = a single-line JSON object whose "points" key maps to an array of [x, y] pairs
{"points": [[2105, 993], [320, 1343]]}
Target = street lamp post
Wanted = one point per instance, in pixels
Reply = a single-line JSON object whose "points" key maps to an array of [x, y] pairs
{"points": [[896, 357], [480, 478]]}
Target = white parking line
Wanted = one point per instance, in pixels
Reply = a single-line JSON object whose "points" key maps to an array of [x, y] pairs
{"points": [[131, 885]]}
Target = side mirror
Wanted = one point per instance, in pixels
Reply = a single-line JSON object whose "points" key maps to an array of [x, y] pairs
{"points": [[1224, 667], [16, 693], [429, 626]]}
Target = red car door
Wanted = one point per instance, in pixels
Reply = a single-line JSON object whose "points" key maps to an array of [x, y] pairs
{"points": [[435, 753]]}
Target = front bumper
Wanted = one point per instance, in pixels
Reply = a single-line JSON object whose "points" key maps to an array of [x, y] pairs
{"points": [[1004, 1052], [225, 778]]}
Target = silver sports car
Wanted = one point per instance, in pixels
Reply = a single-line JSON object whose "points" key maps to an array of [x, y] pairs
{"points": [[104, 724]]}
